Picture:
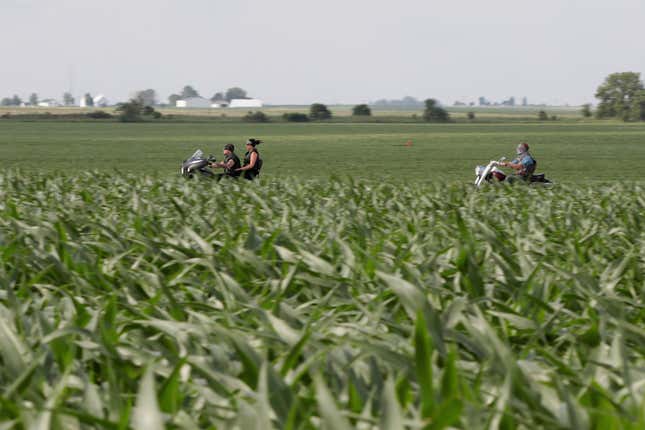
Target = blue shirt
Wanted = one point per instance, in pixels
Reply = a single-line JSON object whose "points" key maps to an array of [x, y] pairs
{"points": [[528, 164]]}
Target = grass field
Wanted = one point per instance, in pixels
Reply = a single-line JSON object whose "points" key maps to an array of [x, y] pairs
{"points": [[567, 152], [360, 284], [136, 302]]}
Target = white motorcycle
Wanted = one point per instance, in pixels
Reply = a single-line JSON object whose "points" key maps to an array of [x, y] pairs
{"points": [[490, 173]]}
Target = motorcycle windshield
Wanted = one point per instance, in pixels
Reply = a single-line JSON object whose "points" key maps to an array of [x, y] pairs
{"points": [[197, 155]]}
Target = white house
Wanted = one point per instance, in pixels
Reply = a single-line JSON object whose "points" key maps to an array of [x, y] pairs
{"points": [[48, 103], [245, 103], [219, 104], [194, 102], [101, 101]]}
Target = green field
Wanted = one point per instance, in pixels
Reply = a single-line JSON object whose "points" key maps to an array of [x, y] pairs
{"points": [[128, 301], [567, 151], [360, 284]]}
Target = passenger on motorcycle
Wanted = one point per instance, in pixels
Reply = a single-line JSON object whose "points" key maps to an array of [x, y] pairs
{"points": [[252, 161], [524, 165], [231, 163]]}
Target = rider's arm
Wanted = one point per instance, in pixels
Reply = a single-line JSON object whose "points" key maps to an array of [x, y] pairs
{"points": [[227, 165], [515, 166], [254, 157]]}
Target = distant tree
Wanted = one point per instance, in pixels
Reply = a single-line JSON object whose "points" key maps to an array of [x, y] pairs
{"points": [[6, 101], [586, 110], [130, 111], [543, 116], [319, 111], [471, 115], [410, 101], [98, 114], [554, 118], [147, 110], [256, 117], [406, 101], [218, 97], [435, 113], [16, 101], [33, 99], [173, 98], [235, 93], [146, 97], [68, 100], [361, 110], [617, 95], [638, 107], [189, 91], [89, 101], [295, 117]]}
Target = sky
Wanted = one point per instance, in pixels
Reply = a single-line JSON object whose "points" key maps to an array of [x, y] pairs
{"points": [[328, 51]]}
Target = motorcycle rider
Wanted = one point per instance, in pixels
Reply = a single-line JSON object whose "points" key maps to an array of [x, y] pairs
{"points": [[231, 163], [252, 160], [524, 165]]}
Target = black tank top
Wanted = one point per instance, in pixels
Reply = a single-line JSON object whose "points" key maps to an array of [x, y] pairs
{"points": [[247, 161], [236, 165]]}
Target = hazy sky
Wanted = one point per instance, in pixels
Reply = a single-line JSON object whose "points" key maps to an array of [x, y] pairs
{"points": [[332, 51]]}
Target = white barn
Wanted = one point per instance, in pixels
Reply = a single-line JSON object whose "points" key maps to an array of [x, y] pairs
{"points": [[245, 103], [100, 101], [193, 102], [48, 103]]}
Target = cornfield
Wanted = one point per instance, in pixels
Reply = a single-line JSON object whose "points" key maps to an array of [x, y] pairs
{"points": [[147, 303]]}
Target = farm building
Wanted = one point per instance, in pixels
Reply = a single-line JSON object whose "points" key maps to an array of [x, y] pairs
{"points": [[194, 102], [219, 104], [100, 101], [48, 103], [245, 103]]}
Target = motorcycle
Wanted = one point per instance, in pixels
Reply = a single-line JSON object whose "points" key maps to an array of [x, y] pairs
{"points": [[490, 173], [197, 164]]}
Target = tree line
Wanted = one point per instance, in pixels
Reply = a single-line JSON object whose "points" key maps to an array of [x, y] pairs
{"points": [[33, 100], [433, 112], [147, 97], [221, 96], [621, 96]]}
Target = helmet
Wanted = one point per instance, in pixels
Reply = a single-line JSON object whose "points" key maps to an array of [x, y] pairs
{"points": [[522, 148]]}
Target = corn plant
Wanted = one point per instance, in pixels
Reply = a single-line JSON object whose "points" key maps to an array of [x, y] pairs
{"points": [[148, 303]]}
